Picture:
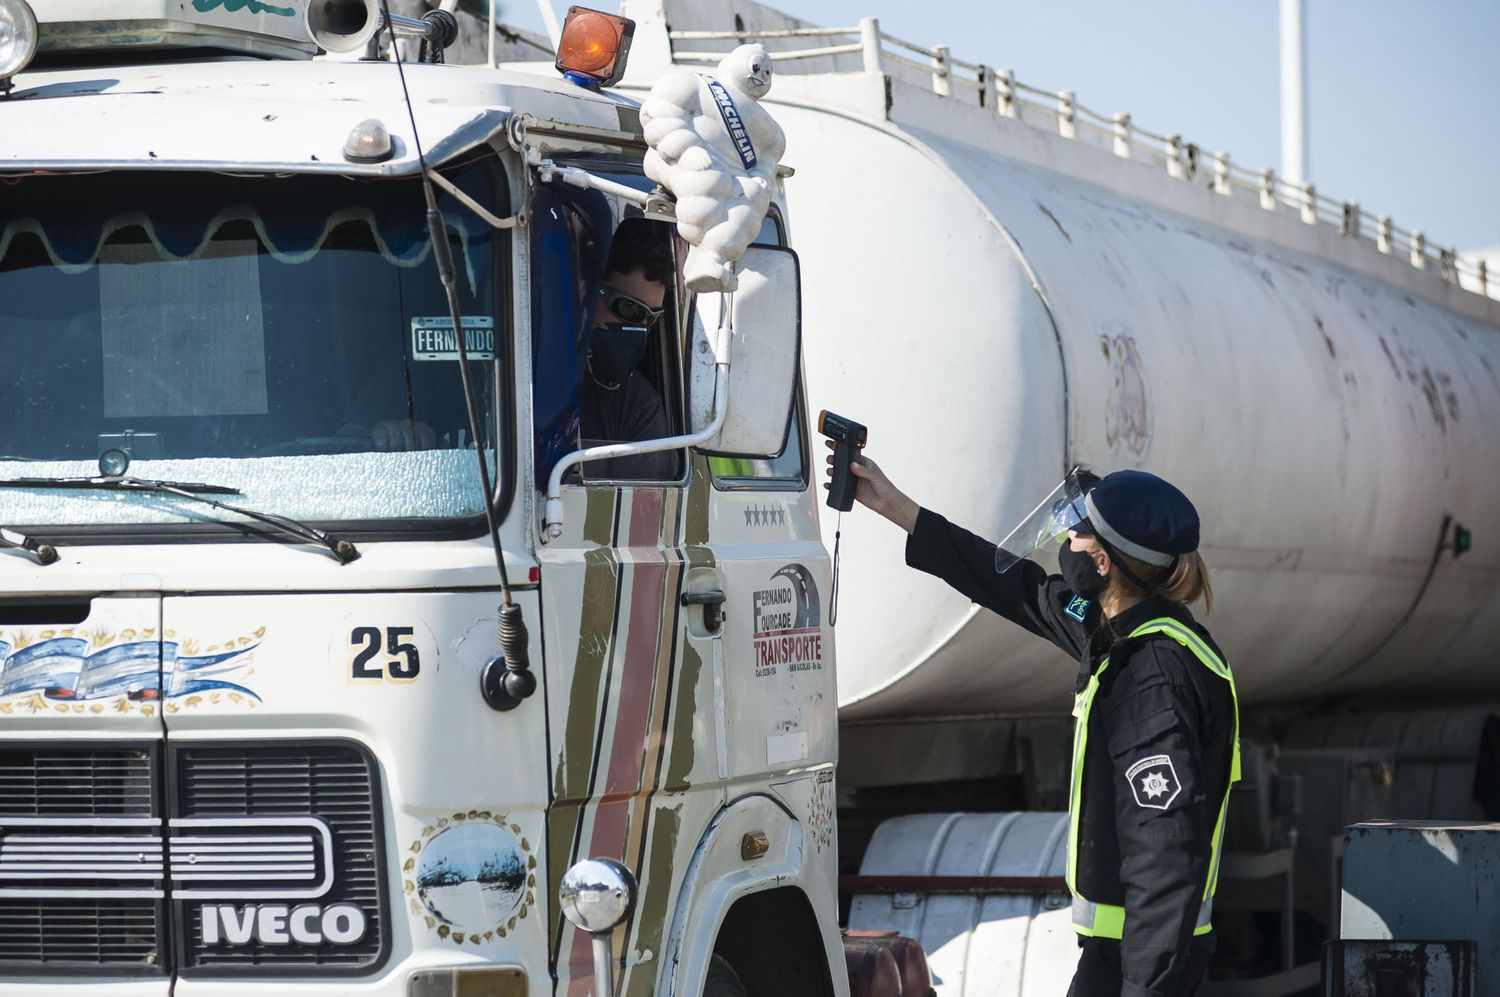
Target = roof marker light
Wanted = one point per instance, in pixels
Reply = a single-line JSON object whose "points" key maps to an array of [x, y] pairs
{"points": [[18, 35], [368, 142], [594, 47]]}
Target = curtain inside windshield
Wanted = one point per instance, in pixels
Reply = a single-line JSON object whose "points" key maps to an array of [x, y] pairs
{"points": [[274, 326]]}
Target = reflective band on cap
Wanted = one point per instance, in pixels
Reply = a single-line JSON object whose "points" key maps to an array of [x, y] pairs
{"points": [[1124, 546]]}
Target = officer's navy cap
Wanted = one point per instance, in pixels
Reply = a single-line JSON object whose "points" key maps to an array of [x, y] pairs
{"points": [[1143, 517]]}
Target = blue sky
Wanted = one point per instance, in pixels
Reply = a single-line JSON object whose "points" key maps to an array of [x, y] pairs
{"points": [[1404, 94]]}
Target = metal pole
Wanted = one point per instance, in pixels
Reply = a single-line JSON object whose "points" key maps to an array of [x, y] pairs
{"points": [[1289, 911], [1294, 145], [869, 40], [549, 18], [1122, 134], [1067, 107], [941, 70], [604, 966]]}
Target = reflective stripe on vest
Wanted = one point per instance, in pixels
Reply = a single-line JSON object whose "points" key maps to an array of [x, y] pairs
{"points": [[1108, 920]]}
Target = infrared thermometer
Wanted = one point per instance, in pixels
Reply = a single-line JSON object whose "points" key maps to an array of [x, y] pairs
{"points": [[849, 438]]}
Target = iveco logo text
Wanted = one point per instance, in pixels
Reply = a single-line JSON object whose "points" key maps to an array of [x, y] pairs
{"points": [[282, 924]]}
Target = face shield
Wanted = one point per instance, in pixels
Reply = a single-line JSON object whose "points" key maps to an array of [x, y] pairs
{"points": [[1049, 523]]}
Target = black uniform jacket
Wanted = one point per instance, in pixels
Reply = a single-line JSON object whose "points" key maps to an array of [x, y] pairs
{"points": [[1160, 743]]}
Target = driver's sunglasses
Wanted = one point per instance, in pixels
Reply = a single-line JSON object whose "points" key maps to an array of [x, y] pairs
{"points": [[627, 309]]}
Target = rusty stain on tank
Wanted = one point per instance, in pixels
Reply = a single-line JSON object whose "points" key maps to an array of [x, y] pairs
{"points": [[1386, 349], [1450, 397], [1053, 217], [1429, 388], [1333, 353], [1127, 412]]}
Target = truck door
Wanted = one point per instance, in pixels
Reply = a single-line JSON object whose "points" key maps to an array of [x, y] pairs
{"points": [[81, 789], [611, 582], [776, 648], [776, 651]]}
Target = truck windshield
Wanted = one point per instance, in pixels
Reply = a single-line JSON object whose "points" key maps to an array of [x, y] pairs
{"points": [[285, 336]]}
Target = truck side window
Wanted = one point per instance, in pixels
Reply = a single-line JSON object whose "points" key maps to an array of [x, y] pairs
{"points": [[606, 334], [624, 381], [787, 470]]}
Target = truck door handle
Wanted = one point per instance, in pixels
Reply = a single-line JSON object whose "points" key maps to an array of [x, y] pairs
{"points": [[711, 600]]}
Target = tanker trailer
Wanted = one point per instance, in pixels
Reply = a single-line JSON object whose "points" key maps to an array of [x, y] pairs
{"points": [[1001, 284]]}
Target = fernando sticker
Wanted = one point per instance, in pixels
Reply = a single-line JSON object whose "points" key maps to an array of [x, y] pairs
{"points": [[787, 620], [432, 338]]}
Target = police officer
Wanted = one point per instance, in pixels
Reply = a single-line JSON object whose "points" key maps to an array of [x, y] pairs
{"points": [[1155, 742]]}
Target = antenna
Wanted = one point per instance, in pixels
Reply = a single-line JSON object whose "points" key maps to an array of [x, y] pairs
{"points": [[507, 679]]}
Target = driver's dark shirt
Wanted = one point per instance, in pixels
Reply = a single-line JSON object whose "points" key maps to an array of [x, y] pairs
{"points": [[628, 414]]}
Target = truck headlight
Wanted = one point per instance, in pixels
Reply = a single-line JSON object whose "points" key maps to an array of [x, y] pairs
{"points": [[18, 35]]}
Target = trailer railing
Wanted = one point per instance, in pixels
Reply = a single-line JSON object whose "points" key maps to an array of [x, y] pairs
{"points": [[1061, 111]]}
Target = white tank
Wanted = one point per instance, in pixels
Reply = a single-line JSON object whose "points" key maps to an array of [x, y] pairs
{"points": [[997, 302], [977, 945]]}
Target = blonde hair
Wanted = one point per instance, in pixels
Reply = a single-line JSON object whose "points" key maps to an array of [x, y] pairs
{"points": [[1187, 583]]}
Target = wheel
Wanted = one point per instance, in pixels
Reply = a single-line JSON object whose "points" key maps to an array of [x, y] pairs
{"points": [[309, 445], [722, 980]]}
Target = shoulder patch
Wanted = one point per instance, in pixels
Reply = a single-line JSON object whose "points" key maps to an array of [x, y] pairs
{"points": [[1077, 608], [1154, 782]]}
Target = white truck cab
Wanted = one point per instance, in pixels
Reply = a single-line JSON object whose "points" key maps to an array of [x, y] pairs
{"points": [[255, 733]]}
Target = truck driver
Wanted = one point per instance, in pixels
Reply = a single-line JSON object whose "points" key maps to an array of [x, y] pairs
{"points": [[617, 403]]}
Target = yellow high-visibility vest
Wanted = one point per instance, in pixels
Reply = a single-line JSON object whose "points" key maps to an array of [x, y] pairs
{"points": [[1108, 920]]}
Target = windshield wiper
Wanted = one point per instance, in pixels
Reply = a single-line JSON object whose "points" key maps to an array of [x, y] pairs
{"points": [[342, 550], [45, 554], [120, 483]]}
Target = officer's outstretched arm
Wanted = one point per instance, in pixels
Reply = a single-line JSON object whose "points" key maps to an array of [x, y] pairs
{"points": [[1162, 821], [1024, 594]]}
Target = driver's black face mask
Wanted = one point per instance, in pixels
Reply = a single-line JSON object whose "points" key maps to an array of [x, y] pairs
{"points": [[614, 351]]}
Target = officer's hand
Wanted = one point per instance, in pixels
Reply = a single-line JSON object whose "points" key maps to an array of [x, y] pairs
{"points": [[876, 492]]}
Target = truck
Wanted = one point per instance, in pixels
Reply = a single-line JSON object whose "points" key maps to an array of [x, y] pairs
{"points": [[305, 686], [1013, 280], [997, 280]]}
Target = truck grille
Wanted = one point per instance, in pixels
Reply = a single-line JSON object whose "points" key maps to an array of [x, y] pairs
{"points": [[85, 782], [80, 860], [94, 855], [332, 782], [79, 934]]}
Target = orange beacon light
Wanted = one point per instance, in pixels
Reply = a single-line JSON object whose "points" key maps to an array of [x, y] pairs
{"points": [[594, 47]]}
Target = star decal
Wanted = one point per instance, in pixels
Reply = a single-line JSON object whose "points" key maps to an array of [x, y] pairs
{"points": [[1154, 785], [757, 515]]}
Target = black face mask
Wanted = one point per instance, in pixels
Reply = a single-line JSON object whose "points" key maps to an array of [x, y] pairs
{"points": [[614, 351], [1079, 572]]}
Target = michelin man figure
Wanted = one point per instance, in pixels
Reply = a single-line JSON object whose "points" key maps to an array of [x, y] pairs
{"points": [[716, 149]]}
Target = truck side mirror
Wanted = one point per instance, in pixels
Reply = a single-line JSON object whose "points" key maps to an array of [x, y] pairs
{"points": [[763, 356]]}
